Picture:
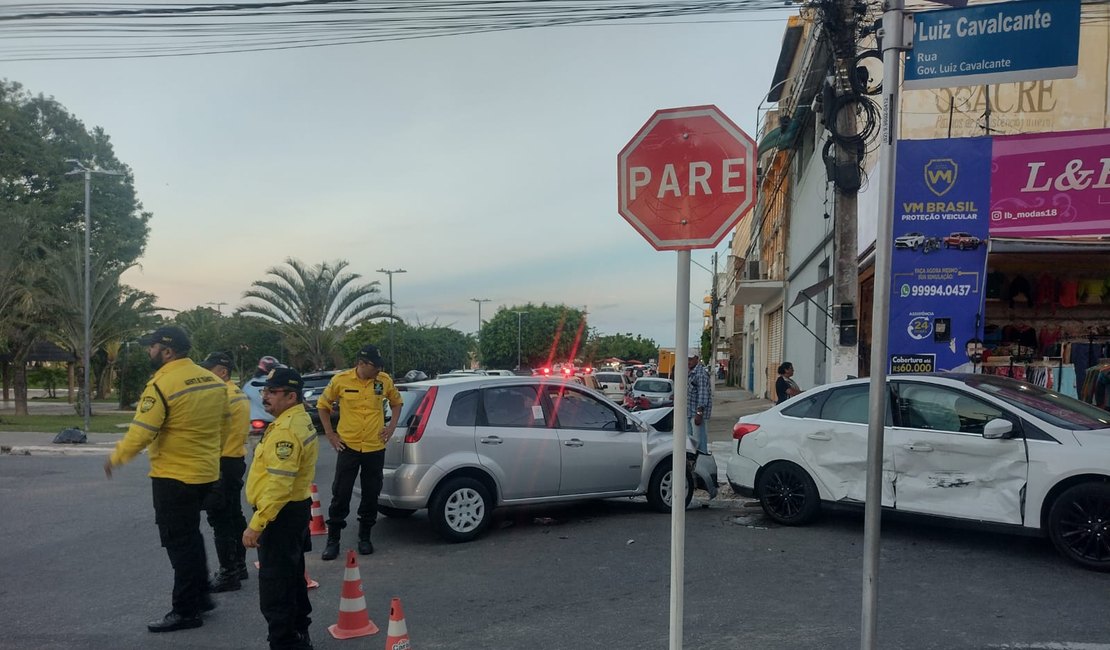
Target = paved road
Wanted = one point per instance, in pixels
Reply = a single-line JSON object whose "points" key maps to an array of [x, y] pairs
{"points": [[82, 569]]}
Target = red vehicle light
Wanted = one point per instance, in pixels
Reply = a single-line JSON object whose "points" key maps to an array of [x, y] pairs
{"points": [[741, 429], [547, 371], [567, 370], [588, 370], [420, 418], [257, 426]]}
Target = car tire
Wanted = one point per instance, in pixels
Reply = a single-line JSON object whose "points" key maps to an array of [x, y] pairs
{"points": [[1079, 525], [395, 513], [788, 494], [661, 487], [460, 509]]}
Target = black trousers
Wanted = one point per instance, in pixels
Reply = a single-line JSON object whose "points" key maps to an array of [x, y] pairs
{"points": [[348, 465], [225, 515], [177, 507], [282, 592]]}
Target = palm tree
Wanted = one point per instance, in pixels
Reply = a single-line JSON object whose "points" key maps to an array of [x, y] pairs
{"points": [[313, 307]]}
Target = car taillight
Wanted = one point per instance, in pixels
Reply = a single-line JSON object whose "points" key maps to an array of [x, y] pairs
{"points": [[741, 429], [258, 425], [420, 419]]}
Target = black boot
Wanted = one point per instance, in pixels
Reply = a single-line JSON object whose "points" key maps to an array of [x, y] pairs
{"points": [[331, 548], [226, 580], [173, 621], [364, 545]]}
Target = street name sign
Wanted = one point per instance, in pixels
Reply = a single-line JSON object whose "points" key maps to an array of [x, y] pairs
{"points": [[686, 178], [994, 43]]}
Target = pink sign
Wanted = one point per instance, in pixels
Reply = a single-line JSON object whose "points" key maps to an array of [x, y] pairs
{"points": [[1051, 185]]}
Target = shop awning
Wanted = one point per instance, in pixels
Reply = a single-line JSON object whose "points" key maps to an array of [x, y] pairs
{"points": [[758, 292], [810, 292], [1034, 245]]}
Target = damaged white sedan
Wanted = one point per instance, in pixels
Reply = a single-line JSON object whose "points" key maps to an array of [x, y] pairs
{"points": [[976, 448]]}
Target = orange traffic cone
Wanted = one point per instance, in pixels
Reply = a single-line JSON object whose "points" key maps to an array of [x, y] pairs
{"points": [[398, 635], [309, 582], [316, 526], [354, 621]]}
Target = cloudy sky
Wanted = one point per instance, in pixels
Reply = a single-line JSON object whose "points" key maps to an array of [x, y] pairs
{"points": [[484, 165]]}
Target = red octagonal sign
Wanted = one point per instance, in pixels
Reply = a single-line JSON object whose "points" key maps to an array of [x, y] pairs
{"points": [[686, 178]]}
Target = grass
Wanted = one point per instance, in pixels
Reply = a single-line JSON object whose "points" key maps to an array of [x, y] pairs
{"points": [[100, 423]]}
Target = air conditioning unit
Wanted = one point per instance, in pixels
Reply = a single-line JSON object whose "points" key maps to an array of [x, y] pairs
{"points": [[755, 270]]}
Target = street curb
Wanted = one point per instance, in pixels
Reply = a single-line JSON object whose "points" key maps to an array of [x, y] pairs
{"points": [[59, 450]]}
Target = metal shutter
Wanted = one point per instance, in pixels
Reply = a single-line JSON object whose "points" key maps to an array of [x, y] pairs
{"points": [[774, 347]]}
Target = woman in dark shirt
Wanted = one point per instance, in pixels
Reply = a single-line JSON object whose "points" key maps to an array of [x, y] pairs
{"points": [[785, 387]]}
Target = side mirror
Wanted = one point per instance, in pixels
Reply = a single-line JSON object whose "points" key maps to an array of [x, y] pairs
{"points": [[997, 428]]}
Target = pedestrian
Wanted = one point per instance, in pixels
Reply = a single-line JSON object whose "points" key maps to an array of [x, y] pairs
{"points": [[279, 488], [180, 416], [699, 403], [785, 386], [360, 442], [225, 505]]}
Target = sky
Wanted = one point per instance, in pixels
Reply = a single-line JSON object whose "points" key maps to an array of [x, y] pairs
{"points": [[483, 165]]}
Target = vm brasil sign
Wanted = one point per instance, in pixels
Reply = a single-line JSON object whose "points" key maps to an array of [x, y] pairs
{"points": [[686, 178], [994, 43]]}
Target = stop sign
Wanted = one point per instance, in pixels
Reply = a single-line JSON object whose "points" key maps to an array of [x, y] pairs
{"points": [[686, 178]]}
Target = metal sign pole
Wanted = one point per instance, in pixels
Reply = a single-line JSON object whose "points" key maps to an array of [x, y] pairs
{"points": [[893, 42], [678, 454]]}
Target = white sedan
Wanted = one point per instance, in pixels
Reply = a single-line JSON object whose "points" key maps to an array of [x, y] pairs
{"points": [[978, 448]]}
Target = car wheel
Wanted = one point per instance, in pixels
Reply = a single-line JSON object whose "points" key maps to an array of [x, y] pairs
{"points": [[788, 494], [1079, 525], [395, 513], [661, 487], [460, 509]]}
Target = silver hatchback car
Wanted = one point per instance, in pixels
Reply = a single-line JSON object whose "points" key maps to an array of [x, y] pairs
{"points": [[472, 444]]}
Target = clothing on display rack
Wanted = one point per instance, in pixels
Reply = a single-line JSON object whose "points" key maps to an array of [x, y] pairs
{"points": [[1096, 385]]}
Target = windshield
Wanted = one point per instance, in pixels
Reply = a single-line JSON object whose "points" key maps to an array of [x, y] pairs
{"points": [[653, 386], [608, 377], [1050, 406]]}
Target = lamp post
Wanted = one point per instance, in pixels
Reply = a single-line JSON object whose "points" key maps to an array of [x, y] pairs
{"points": [[392, 346], [79, 168], [479, 301], [518, 315]]}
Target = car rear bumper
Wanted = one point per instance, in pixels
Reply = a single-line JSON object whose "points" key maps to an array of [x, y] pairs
{"points": [[409, 486], [741, 475]]}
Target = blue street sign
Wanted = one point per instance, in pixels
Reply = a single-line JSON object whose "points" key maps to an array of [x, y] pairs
{"points": [[994, 43]]}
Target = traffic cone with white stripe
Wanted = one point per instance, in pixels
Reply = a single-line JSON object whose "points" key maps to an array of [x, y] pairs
{"points": [[398, 635], [316, 526], [354, 620]]}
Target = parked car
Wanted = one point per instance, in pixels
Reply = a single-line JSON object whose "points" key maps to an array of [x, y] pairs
{"points": [[479, 443], [613, 385], [657, 390], [500, 373], [314, 384], [975, 448], [962, 241], [910, 240]]}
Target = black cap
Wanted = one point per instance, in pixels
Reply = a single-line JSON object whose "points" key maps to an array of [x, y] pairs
{"points": [[370, 353], [170, 336], [218, 359], [284, 378]]}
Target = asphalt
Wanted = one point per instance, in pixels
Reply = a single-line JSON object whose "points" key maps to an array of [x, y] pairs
{"points": [[729, 404]]}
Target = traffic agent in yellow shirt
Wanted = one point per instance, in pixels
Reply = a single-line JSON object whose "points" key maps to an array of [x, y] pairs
{"points": [[361, 394], [179, 418], [279, 488]]}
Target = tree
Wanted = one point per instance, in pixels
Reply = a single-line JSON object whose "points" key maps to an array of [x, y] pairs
{"points": [[313, 307], [624, 346], [245, 338], [46, 210], [548, 334], [429, 348]]}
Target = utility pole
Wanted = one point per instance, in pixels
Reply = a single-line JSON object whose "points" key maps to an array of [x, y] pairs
{"points": [[392, 345], [712, 361], [79, 168], [479, 301], [518, 315], [218, 306]]}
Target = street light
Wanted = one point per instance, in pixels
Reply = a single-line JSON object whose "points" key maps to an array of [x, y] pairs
{"points": [[518, 315], [392, 347], [479, 301], [80, 168]]}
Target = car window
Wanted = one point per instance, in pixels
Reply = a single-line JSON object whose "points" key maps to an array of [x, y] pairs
{"points": [[1052, 407], [848, 404], [652, 386], [609, 378], [464, 409], [802, 408], [925, 406], [512, 406], [575, 410]]}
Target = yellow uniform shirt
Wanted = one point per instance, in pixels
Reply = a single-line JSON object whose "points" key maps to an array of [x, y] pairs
{"points": [[180, 417], [361, 409], [284, 466], [237, 423]]}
